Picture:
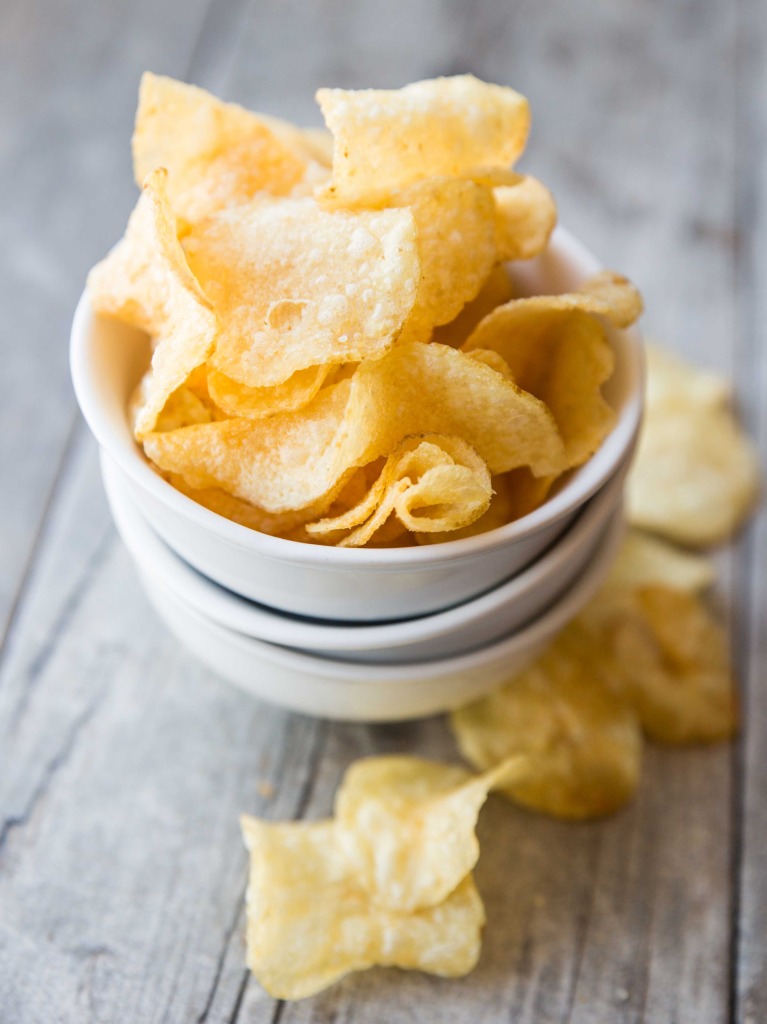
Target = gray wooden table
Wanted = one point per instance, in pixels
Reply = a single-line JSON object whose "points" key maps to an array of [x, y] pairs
{"points": [[124, 765]]}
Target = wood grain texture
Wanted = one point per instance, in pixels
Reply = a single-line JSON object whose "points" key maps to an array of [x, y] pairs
{"points": [[124, 765]]}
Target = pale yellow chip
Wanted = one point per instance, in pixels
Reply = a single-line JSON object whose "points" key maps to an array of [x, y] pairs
{"points": [[515, 494], [254, 403], [671, 378], [295, 286], [557, 349], [276, 524], [583, 744], [432, 484], [644, 560], [495, 291], [456, 247], [293, 459], [407, 826], [311, 921], [216, 154], [672, 662], [695, 476], [525, 216], [384, 139], [146, 281]]}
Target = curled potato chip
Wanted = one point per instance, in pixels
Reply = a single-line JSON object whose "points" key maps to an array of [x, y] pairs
{"points": [[237, 399], [456, 247], [183, 408], [295, 286], [407, 825], [525, 216], [645, 560], [695, 476], [310, 921], [216, 153], [583, 744], [556, 348], [146, 281], [514, 495], [672, 662], [434, 483], [293, 459], [384, 139], [494, 292]]}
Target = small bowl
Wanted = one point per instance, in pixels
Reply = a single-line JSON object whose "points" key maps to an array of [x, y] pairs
{"points": [[375, 693], [496, 614], [107, 360]]}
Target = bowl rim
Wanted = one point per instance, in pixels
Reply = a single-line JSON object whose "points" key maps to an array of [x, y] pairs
{"points": [[154, 558], [574, 493], [547, 624]]}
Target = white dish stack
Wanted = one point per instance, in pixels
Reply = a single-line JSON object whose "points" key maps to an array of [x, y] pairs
{"points": [[379, 634]]}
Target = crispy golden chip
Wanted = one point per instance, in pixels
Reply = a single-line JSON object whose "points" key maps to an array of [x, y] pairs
{"points": [[525, 216], [696, 474], [583, 744], [146, 281], [293, 459], [456, 247], [495, 291], [310, 921], [384, 139], [183, 408], [432, 484], [644, 560], [407, 826], [216, 153], [254, 403], [557, 349], [295, 286], [672, 662]]}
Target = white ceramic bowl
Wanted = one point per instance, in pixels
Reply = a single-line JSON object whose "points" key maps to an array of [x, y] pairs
{"points": [[496, 614], [107, 360], [375, 693]]}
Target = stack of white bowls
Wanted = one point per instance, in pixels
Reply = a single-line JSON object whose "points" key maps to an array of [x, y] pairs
{"points": [[369, 634]]}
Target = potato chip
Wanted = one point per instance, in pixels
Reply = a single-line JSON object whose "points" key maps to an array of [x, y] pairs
{"points": [[293, 459], [525, 216], [671, 378], [673, 664], [276, 524], [494, 292], [645, 560], [183, 408], [146, 281], [254, 403], [456, 248], [216, 153], [557, 349], [514, 495], [384, 139], [407, 826], [695, 476], [295, 286], [583, 744], [432, 484], [310, 921]]}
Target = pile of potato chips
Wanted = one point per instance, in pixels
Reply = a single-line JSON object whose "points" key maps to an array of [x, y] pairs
{"points": [[306, 291]]}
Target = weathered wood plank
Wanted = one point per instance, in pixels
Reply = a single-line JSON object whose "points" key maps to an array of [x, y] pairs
{"points": [[68, 78], [750, 974]]}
